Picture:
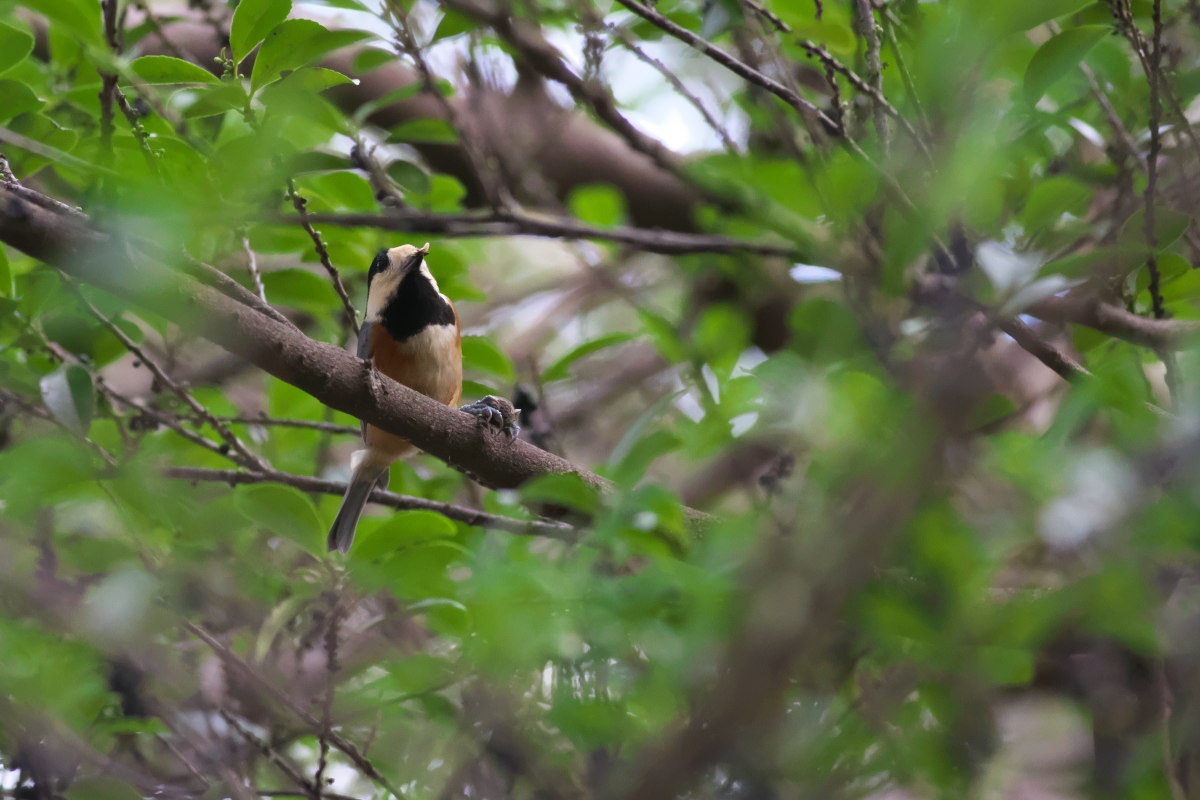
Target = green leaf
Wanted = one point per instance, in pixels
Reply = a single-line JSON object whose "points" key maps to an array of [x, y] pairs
{"points": [[16, 98], [665, 336], [373, 58], [315, 79], [1052, 198], [410, 177], [102, 789], [284, 511], [299, 289], [1058, 55], [561, 369], [567, 490], [1177, 277], [452, 23], [317, 161], [434, 131], [252, 21], [479, 353], [294, 44], [1012, 17], [213, 100], [167, 69], [15, 45], [352, 5], [1169, 225], [402, 529], [598, 203], [69, 395], [445, 194], [7, 287], [644, 452], [417, 674], [80, 17]]}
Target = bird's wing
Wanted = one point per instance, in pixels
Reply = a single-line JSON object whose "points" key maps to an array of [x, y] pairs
{"points": [[365, 341]]}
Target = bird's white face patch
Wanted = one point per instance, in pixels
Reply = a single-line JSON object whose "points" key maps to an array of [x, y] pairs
{"points": [[383, 286]]}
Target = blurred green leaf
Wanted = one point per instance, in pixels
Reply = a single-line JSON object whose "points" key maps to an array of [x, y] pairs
{"points": [[15, 45], [299, 289], [1059, 54], [102, 789], [402, 529], [410, 177], [1023, 16], [16, 98], [284, 511], [598, 203], [429, 130], [1169, 226], [7, 286], [417, 674], [1052, 198], [569, 491], [560, 369], [452, 23], [70, 396], [479, 353], [80, 17], [214, 100]]}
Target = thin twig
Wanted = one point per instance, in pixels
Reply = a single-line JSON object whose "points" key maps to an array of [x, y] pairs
{"points": [[1150, 57], [246, 456], [522, 223], [623, 37], [1053, 357], [868, 29], [483, 167], [770, 16], [551, 530], [906, 77], [252, 268], [231, 659], [170, 421], [33, 410], [331, 671], [864, 86], [290, 770], [545, 58], [301, 205], [734, 65], [108, 80], [309, 424], [792, 98]]}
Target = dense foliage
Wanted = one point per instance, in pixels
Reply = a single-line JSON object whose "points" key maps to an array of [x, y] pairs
{"points": [[900, 293]]}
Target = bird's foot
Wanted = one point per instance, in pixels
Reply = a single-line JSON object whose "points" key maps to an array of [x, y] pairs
{"points": [[497, 413]]}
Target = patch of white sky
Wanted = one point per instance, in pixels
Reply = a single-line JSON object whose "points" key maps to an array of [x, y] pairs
{"points": [[646, 98]]}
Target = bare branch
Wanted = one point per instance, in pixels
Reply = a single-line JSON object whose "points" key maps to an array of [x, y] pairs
{"points": [[309, 424], [301, 205], [245, 455], [523, 223], [551, 530], [240, 667]]}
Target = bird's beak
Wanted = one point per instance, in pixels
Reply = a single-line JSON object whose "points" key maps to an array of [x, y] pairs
{"points": [[416, 258]]}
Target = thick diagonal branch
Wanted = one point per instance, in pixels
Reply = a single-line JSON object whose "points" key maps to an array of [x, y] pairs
{"points": [[329, 373]]}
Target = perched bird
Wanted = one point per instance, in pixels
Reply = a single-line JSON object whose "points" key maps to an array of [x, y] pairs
{"points": [[411, 332]]}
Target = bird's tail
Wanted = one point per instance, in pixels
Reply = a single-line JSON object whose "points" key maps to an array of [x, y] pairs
{"points": [[366, 474]]}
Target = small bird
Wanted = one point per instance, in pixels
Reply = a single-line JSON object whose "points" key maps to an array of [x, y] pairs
{"points": [[411, 333]]}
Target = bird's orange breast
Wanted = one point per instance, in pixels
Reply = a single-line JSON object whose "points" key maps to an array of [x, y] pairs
{"points": [[429, 362]]}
